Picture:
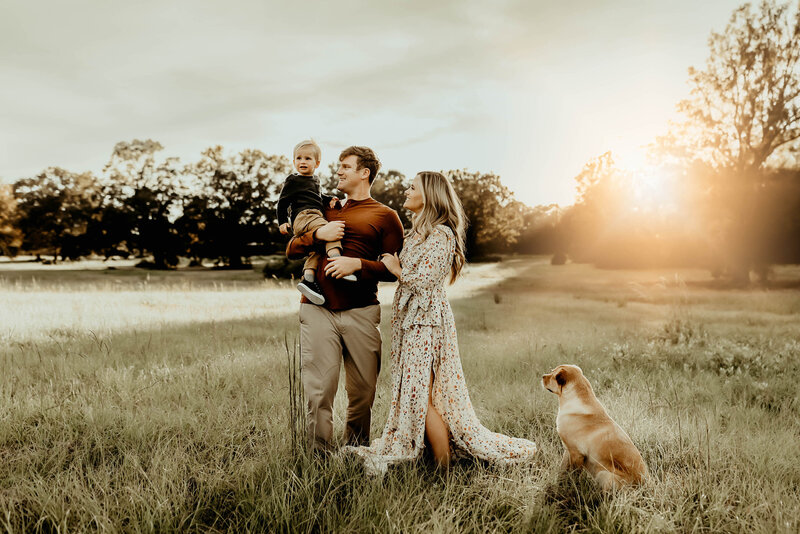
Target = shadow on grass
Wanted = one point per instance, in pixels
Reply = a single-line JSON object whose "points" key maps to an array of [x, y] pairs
{"points": [[575, 497], [725, 285], [128, 278]]}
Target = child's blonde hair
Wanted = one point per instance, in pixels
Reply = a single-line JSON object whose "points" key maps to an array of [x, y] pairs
{"points": [[441, 205], [308, 142]]}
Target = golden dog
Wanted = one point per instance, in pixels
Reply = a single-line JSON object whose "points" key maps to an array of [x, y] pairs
{"points": [[591, 438]]}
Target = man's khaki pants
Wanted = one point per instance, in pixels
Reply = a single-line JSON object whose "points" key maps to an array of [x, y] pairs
{"points": [[326, 339]]}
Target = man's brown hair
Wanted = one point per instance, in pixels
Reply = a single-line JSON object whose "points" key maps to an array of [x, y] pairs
{"points": [[365, 158]]}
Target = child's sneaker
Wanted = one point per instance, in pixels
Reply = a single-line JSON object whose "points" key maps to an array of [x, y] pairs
{"points": [[350, 278], [311, 291]]}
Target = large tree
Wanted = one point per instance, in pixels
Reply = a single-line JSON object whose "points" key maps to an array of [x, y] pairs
{"points": [[231, 215], [742, 120], [744, 106], [142, 198], [494, 217], [54, 210]]}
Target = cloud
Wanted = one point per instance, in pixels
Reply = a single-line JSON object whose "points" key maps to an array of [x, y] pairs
{"points": [[468, 83]]}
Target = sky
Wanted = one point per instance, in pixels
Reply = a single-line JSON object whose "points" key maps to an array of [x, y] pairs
{"points": [[530, 90]]}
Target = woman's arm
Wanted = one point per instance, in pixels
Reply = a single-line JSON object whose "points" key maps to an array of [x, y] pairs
{"points": [[392, 262]]}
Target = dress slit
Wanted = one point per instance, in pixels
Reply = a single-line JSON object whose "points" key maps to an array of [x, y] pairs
{"points": [[425, 353]]}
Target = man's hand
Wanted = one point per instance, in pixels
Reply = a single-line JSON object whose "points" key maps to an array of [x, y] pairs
{"points": [[284, 228], [342, 266], [333, 231]]}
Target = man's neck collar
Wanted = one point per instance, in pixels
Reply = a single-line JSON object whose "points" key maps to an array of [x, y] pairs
{"points": [[354, 198]]}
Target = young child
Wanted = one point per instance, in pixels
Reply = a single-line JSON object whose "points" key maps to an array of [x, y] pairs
{"points": [[300, 208]]}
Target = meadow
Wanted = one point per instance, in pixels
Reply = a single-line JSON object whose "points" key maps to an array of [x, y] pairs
{"points": [[138, 402]]}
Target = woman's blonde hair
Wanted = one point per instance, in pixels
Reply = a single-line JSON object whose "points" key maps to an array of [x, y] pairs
{"points": [[441, 205]]}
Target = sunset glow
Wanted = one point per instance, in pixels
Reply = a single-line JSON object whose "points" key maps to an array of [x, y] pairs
{"points": [[527, 90], [653, 190], [652, 187]]}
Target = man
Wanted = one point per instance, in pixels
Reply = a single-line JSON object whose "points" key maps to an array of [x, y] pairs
{"points": [[347, 327]]}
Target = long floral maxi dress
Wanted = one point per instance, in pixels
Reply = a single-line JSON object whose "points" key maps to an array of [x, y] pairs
{"points": [[424, 341]]}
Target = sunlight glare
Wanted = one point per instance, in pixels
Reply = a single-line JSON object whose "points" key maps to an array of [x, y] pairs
{"points": [[653, 188]]}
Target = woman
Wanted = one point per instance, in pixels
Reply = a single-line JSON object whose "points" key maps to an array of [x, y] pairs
{"points": [[429, 395]]}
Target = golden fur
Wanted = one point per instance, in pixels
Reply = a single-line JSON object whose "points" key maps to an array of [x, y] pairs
{"points": [[591, 438]]}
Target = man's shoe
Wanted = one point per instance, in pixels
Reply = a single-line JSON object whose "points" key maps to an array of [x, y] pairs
{"points": [[350, 278], [311, 291]]}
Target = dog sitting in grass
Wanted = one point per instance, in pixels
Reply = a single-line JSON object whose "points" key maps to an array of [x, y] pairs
{"points": [[592, 439]]}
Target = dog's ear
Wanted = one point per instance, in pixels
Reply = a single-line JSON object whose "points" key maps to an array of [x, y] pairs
{"points": [[561, 378]]}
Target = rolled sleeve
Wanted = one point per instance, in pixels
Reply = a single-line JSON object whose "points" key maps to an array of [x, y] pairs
{"points": [[300, 246]]}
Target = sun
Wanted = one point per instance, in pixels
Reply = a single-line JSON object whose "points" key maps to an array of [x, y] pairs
{"points": [[653, 189]]}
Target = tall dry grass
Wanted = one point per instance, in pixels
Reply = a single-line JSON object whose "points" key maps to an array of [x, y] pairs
{"points": [[172, 405]]}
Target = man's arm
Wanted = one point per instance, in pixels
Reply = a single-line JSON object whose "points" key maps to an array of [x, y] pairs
{"points": [[300, 245], [391, 242]]}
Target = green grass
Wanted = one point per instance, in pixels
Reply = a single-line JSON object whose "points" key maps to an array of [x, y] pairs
{"points": [[138, 404]]}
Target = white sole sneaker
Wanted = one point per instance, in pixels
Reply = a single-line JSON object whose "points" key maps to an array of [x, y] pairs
{"points": [[310, 294]]}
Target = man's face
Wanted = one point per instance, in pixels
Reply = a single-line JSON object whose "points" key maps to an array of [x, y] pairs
{"points": [[349, 176], [305, 161]]}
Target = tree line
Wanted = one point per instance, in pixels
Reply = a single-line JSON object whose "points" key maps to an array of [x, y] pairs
{"points": [[219, 208], [730, 168]]}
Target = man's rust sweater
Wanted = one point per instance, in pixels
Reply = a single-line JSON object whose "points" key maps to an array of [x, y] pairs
{"points": [[370, 230]]}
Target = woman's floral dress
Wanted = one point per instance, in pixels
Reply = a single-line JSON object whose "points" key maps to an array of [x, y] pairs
{"points": [[424, 340]]}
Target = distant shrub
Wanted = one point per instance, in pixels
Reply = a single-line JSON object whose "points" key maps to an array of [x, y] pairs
{"points": [[559, 258], [683, 330], [279, 266], [152, 265]]}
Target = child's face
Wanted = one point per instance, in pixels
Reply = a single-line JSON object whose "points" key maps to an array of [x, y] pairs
{"points": [[305, 161], [414, 200]]}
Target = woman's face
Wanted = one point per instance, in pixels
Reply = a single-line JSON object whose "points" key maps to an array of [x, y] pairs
{"points": [[414, 200]]}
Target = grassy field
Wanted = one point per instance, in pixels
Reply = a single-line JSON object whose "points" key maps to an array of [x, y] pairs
{"points": [[136, 402]]}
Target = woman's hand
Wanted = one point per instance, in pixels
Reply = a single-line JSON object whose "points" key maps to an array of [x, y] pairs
{"points": [[392, 262]]}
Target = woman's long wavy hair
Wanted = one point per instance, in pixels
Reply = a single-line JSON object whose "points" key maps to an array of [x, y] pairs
{"points": [[441, 205]]}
